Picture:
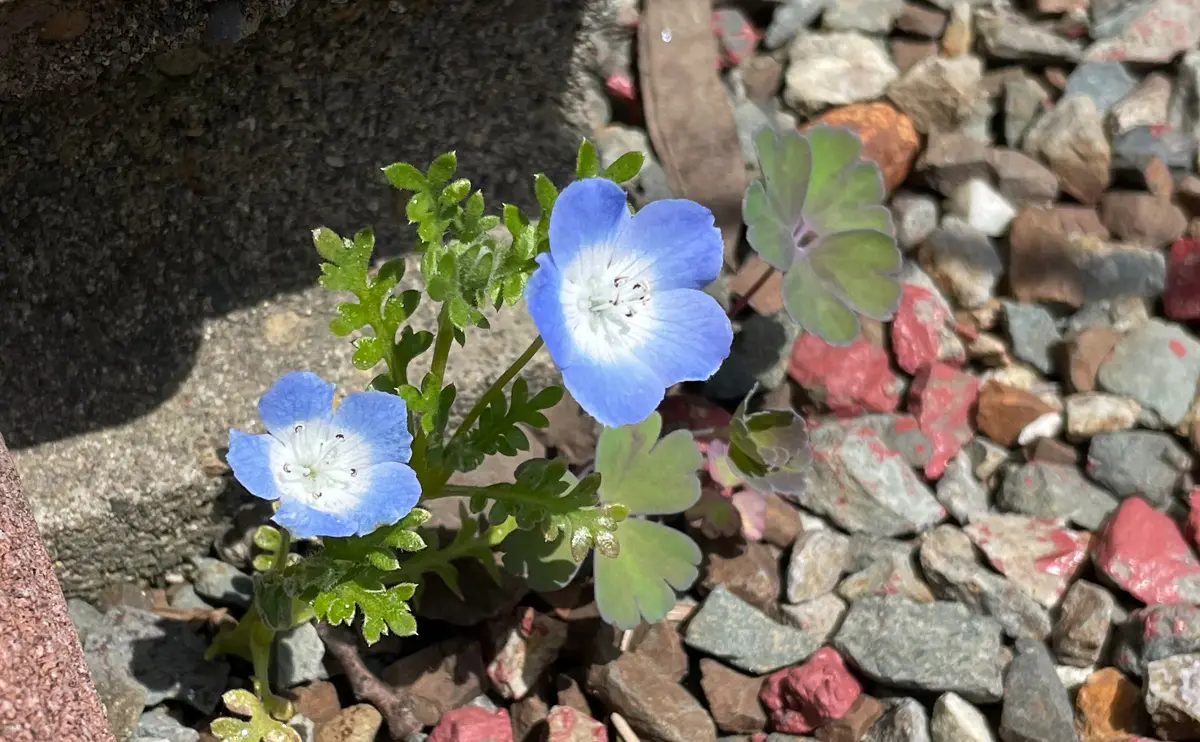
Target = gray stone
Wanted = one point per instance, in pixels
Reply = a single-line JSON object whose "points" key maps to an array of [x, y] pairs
{"points": [[1104, 82], [954, 719], [894, 575], [222, 584], [1154, 32], [820, 617], [950, 564], [924, 646], [817, 562], [867, 16], [1134, 148], [123, 699], [1052, 490], [299, 656], [164, 656], [939, 93], [1036, 705], [730, 628], [1011, 37], [1157, 364], [1171, 697], [158, 724], [84, 617], [760, 353], [834, 69], [963, 496], [1083, 623], [1025, 97], [1034, 334], [964, 262], [1072, 140], [915, 216], [950, 159], [1112, 17], [1145, 105], [1139, 462], [1023, 180], [903, 720], [307, 729], [184, 597], [789, 18], [861, 489], [115, 468]]}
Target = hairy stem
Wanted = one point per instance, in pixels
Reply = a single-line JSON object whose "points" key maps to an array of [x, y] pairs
{"points": [[497, 388], [744, 299], [441, 345], [395, 709]]}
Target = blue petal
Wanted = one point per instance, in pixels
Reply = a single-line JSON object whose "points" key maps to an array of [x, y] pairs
{"points": [[250, 458], [305, 522], [679, 240], [620, 392], [542, 297], [297, 397], [381, 420], [394, 491], [686, 335], [588, 212]]}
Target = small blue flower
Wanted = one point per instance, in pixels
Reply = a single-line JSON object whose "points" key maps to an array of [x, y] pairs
{"points": [[337, 472], [619, 303]]}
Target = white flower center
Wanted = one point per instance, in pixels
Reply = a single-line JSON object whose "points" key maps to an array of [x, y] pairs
{"points": [[322, 466], [606, 298]]}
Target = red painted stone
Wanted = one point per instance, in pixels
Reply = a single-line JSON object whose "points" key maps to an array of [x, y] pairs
{"points": [[1181, 300], [1144, 552], [800, 699], [941, 398], [473, 724], [850, 381], [923, 331], [620, 85], [1040, 555], [567, 724]]}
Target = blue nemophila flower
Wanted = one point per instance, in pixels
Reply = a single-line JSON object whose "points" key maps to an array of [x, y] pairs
{"points": [[336, 472], [618, 299]]}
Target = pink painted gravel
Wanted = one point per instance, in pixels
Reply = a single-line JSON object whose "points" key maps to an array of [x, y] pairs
{"points": [[473, 724], [1040, 555], [800, 699], [1144, 552]]}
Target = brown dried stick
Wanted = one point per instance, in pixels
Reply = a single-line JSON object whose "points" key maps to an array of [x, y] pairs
{"points": [[367, 687]]}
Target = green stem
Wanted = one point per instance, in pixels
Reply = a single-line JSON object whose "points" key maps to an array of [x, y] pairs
{"points": [[285, 546], [441, 345], [425, 561], [497, 388]]}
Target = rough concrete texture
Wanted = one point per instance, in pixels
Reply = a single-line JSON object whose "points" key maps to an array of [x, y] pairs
{"points": [[156, 267], [46, 691]]}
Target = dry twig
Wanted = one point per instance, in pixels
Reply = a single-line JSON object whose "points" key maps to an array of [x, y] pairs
{"points": [[367, 687]]}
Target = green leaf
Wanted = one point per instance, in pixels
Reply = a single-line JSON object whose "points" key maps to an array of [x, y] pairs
{"points": [[268, 538], [457, 190], [546, 193], [861, 269], [383, 609], [497, 430], [587, 163], [368, 351], [770, 449], [813, 306], [405, 177], [545, 564], [260, 728], [397, 309], [640, 583], [648, 475], [834, 149], [716, 514], [626, 167], [770, 237], [328, 244], [442, 169]]}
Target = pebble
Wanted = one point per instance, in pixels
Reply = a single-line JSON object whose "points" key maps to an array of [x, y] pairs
{"points": [[1109, 707], [1034, 334], [1161, 631], [1143, 552], [566, 724], [1054, 491], [862, 485], [1181, 300], [660, 643], [1072, 140], [834, 69], [923, 328], [457, 725], [1157, 364], [951, 159], [299, 656], [1025, 99], [1004, 411], [915, 216], [959, 36], [941, 398], [867, 16], [903, 720], [1083, 624], [750, 571], [1173, 696], [851, 727], [222, 584], [954, 719], [948, 561], [317, 701], [165, 657], [801, 699], [1086, 352], [1093, 413], [960, 492], [84, 618], [789, 18], [983, 207], [654, 707], [1142, 218], [818, 560], [1009, 36], [1145, 105], [439, 677], [1036, 705], [1139, 462], [1153, 32], [848, 380], [526, 645], [1105, 83], [184, 597], [730, 628], [1136, 147], [732, 698], [1022, 180], [933, 647], [908, 52], [963, 261], [895, 574], [939, 93], [158, 724], [921, 20], [1040, 555], [887, 134], [820, 617]]}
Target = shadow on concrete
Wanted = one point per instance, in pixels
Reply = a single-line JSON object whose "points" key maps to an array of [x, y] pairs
{"points": [[146, 204]]}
